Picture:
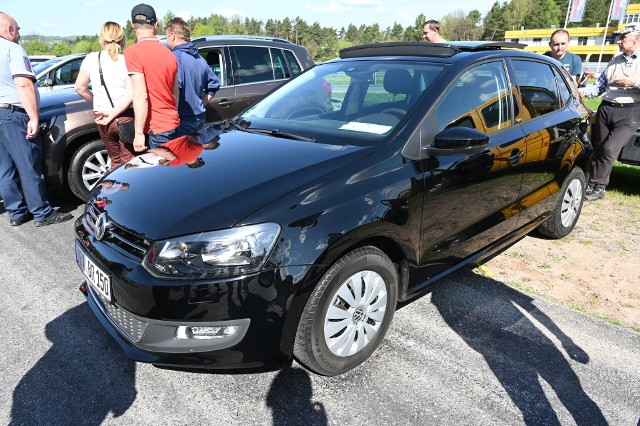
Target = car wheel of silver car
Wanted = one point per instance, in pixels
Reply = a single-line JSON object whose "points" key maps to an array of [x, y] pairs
{"points": [[88, 165], [348, 313], [568, 208]]}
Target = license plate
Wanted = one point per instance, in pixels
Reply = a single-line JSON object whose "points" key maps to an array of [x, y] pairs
{"points": [[99, 280]]}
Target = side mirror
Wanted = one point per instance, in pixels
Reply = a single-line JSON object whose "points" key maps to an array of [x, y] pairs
{"points": [[458, 141], [48, 82]]}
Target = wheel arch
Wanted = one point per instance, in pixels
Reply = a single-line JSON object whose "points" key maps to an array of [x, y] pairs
{"points": [[346, 244], [73, 144]]}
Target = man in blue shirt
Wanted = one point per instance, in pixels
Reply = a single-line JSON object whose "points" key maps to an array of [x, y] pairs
{"points": [[20, 143], [196, 80], [559, 42]]}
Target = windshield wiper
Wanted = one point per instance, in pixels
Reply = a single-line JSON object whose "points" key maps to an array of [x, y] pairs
{"points": [[235, 124], [281, 134]]}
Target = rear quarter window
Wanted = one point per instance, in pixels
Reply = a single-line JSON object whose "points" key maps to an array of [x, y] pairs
{"points": [[293, 63]]}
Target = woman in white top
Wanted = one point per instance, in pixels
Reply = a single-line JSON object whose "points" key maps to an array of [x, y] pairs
{"points": [[114, 72]]}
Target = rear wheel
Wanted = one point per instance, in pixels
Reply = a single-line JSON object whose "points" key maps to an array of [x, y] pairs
{"points": [[88, 165], [348, 313], [568, 208]]}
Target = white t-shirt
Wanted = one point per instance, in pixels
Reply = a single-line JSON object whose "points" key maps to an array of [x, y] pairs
{"points": [[115, 77]]}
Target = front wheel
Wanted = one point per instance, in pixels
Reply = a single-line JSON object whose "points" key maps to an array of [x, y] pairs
{"points": [[568, 208], [88, 165], [348, 313]]}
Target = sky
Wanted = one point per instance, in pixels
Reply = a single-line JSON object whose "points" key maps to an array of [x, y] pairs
{"points": [[85, 17]]}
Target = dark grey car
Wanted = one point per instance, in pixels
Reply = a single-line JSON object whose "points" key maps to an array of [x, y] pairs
{"points": [[248, 68]]}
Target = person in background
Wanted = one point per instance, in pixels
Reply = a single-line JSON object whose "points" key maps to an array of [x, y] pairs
{"points": [[115, 78], [431, 32], [196, 81], [559, 42], [20, 142], [618, 115], [153, 70]]}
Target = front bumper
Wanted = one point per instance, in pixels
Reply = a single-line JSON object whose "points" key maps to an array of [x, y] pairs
{"points": [[145, 313], [162, 336]]}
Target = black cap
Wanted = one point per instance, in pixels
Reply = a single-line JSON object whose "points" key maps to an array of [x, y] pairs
{"points": [[147, 11]]}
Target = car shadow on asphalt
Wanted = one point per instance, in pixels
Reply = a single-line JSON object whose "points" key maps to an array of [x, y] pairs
{"points": [[504, 326], [74, 382]]}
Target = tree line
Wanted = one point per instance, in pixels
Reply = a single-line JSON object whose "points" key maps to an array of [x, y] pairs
{"points": [[323, 43]]}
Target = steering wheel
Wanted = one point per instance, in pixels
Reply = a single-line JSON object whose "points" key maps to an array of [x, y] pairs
{"points": [[305, 111], [396, 112]]}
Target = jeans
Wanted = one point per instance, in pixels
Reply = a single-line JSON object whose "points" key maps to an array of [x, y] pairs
{"points": [[191, 125], [21, 165], [155, 140]]}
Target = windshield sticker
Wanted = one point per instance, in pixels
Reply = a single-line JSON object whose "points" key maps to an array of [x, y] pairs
{"points": [[366, 127]]}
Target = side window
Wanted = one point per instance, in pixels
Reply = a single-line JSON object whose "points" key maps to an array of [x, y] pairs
{"points": [[254, 64], [565, 92], [537, 87], [216, 63], [67, 73], [293, 63], [479, 98], [279, 65]]}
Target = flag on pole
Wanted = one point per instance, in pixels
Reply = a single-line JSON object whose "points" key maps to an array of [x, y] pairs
{"points": [[577, 10], [619, 9]]}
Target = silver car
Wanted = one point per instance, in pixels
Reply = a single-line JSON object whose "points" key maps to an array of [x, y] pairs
{"points": [[58, 72]]}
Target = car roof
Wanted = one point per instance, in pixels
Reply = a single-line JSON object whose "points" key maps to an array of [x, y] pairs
{"points": [[56, 61], [240, 39], [451, 51]]}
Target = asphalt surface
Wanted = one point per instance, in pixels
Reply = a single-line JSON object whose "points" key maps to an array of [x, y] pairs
{"points": [[472, 352]]}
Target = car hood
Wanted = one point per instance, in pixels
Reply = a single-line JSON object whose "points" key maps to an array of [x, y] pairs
{"points": [[60, 102], [244, 173]]}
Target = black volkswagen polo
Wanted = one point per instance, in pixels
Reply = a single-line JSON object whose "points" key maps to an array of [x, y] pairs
{"points": [[352, 187]]}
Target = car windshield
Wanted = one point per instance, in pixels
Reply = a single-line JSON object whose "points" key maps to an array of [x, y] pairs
{"points": [[357, 102], [38, 68]]}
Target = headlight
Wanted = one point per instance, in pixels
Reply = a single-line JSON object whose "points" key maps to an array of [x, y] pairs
{"points": [[216, 254]]}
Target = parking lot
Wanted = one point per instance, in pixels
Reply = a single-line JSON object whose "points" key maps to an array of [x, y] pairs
{"points": [[473, 351]]}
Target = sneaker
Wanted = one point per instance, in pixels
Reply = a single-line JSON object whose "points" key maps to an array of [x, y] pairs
{"points": [[595, 194], [589, 189], [22, 220], [56, 218]]}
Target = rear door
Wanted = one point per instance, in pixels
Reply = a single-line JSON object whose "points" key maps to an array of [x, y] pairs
{"points": [[550, 122], [254, 74]]}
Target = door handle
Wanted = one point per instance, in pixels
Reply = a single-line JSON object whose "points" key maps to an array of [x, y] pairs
{"points": [[225, 102], [515, 157]]}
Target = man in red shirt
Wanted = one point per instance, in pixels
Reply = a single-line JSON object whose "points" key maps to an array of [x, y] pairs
{"points": [[153, 70]]}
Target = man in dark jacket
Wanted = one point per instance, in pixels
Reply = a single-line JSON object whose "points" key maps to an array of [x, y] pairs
{"points": [[196, 80]]}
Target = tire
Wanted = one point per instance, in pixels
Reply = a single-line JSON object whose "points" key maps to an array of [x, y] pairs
{"points": [[88, 165], [338, 331], [568, 208]]}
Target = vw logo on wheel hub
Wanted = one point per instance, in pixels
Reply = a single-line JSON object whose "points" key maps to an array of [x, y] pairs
{"points": [[359, 315]]}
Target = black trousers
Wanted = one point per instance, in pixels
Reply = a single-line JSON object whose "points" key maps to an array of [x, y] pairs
{"points": [[614, 127]]}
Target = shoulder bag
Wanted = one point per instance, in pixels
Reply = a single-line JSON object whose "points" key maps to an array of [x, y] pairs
{"points": [[126, 130]]}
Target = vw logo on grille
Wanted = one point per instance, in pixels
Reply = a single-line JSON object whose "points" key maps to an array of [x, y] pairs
{"points": [[102, 224]]}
